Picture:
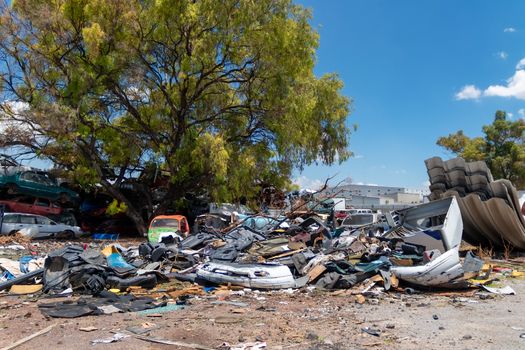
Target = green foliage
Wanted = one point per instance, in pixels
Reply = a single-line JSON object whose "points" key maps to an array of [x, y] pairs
{"points": [[116, 208], [220, 94], [502, 147]]}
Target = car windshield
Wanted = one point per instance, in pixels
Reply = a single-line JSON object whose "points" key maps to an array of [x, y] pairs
{"points": [[46, 179], [172, 223], [361, 219], [41, 178]]}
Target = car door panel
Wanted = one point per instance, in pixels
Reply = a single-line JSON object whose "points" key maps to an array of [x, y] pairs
{"points": [[45, 226]]}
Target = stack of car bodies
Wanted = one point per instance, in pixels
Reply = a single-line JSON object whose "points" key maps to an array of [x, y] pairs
{"points": [[30, 199]]}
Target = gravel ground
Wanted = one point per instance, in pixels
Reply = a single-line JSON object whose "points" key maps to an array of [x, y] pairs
{"points": [[287, 320], [299, 320]]}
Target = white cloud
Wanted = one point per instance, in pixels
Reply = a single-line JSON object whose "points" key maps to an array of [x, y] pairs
{"points": [[468, 92], [307, 183], [521, 64], [358, 156], [8, 109], [509, 30], [510, 115], [503, 55], [521, 112], [515, 87]]}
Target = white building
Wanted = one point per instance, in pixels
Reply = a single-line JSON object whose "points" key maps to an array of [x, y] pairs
{"points": [[371, 196]]}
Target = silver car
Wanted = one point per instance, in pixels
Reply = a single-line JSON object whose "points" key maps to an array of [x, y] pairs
{"points": [[36, 226]]}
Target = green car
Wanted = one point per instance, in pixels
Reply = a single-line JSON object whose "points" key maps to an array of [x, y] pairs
{"points": [[38, 184], [168, 226]]}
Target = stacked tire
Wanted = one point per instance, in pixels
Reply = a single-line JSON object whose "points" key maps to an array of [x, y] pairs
{"points": [[490, 208], [458, 176]]}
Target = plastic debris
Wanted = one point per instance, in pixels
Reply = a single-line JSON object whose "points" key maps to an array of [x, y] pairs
{"points": [[115, 338], [507, 290]]}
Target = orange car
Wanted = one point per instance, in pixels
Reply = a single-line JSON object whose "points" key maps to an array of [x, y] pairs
{"points": [[163, 226]]}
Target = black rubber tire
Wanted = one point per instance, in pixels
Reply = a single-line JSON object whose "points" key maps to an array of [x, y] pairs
{"points": [[436, 175], [12, 189], [455, 164], [456, 178], [477, 183], [67, 234], [460, 190], [477, 168], [434, 162], [438, 186]]}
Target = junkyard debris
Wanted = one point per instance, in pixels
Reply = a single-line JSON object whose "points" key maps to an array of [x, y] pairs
{"points": [[115, 338]]}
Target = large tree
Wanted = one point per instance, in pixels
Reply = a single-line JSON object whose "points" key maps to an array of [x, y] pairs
{"points": [[219, 94], [502, 147]]}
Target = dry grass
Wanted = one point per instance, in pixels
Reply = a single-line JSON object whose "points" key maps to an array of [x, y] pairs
{"points": [[485, 252], [507, 249], [17, 238]]}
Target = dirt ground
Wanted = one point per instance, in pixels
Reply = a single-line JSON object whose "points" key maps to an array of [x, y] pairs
{"points": [[301, 319]]}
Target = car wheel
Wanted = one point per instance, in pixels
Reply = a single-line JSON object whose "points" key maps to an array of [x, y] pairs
{"points": [[67, 234], [12, 189], [12, 233]]}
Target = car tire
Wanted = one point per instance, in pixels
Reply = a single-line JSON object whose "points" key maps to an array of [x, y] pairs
{"points": [[12, 189], [12, 233], [67, 234], [434, 162]]}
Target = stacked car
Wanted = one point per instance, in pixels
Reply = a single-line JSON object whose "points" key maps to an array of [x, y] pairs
{"points": [[33, 202]]}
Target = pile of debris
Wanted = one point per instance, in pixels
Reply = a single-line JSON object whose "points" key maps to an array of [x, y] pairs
{"points": [[421, 247], [418, 247]]}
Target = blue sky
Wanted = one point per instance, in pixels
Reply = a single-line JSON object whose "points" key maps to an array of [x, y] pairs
{"points": [[417, 70]]}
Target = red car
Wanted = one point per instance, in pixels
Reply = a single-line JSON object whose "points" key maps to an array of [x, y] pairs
{"points": [[32, 205], [341, 214]]}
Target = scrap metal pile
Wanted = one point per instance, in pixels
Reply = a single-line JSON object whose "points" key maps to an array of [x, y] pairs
{"points": [[490, 208], [419, 246]]}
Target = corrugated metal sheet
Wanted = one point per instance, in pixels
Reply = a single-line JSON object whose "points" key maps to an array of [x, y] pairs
{"points": [[490, 209]]}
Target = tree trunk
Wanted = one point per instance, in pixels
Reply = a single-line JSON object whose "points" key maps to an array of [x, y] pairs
{"points": [[131, 211], [169, 197], [138, 220]]}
